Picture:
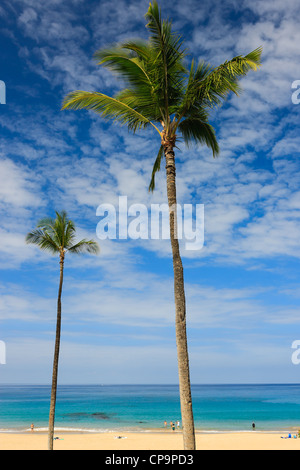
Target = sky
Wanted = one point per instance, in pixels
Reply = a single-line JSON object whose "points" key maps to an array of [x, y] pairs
{"points": [[242, 287]]}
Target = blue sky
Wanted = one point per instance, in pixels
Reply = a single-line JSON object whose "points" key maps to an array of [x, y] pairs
{"points": [[118, 312]]}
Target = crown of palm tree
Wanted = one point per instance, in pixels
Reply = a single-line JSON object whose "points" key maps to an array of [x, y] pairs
{"points": [[162, 90], [58, 236]]}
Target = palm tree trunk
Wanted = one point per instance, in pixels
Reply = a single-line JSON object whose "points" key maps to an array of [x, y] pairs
{"points": [[56, 358], [180, 309]]}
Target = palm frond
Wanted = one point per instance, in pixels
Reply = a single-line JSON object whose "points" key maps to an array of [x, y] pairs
{"points": [[195, 130], [108, 107], [156, 168], [43, 240], [46, 222], [254, 59], [207, 86], [142, 94], [59, 228], [70, 234], [168, 53], [143, 102], [140, 48], [167, 44], [85, 246], [224, 79], [118, 60]]}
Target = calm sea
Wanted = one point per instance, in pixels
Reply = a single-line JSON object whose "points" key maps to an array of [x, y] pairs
{"points": [[102, 408]]}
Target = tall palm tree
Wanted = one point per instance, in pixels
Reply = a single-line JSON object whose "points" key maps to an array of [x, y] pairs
{"points": [[163, 93], [57, 236]]}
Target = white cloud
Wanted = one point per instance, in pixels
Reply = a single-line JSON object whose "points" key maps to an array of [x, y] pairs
{"points": [[16, 185]]}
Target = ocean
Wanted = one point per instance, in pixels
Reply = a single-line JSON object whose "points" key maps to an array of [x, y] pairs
{"points": [[116, 408]]}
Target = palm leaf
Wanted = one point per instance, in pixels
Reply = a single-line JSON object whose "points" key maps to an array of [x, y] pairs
{"points": [[223, 79], [156, 168], [195, 130], [165, 42], [108, 107], [140, 48], [70, 233], [83, 246], [46, 222], [143, 102], [142, 93], [118, 60], [168, 59], [43, 240]]}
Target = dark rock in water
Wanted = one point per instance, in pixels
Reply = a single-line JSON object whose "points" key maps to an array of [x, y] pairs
{"points": [[75, 415], [80, 415], [100, 416]]}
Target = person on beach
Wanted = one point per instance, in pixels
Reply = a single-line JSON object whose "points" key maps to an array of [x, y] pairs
{"points": [[178, 424], [32, 427], [253, 426], [165, 423]]}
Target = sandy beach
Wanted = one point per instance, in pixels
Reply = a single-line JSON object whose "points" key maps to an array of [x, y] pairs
{"points": [[149, 441]]}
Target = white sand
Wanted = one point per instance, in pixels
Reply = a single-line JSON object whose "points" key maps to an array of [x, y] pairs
{"points": [[149, 441]]}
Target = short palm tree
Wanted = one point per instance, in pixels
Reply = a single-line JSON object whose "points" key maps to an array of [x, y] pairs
{"points": [[163, 93], [57, 236]]}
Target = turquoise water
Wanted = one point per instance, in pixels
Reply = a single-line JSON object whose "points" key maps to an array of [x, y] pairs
{"points": [[102, 408]]}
